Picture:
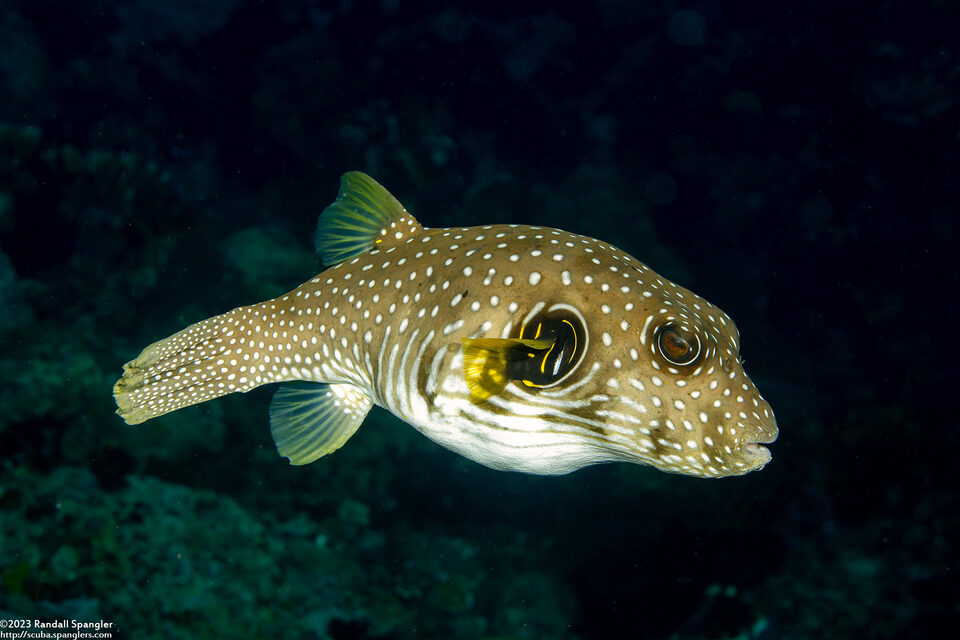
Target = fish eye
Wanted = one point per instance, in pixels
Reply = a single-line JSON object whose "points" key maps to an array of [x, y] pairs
{"points": [[678, 346]]}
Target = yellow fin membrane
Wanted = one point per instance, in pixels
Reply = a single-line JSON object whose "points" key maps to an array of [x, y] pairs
{"points": [[310, 420], [488, 362], [363, 216]]}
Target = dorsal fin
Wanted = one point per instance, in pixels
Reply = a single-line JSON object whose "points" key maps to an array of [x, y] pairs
{"points": [[364, 216]]}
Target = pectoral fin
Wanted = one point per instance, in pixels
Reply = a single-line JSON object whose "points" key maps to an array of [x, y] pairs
{"points": [[490, 363]]}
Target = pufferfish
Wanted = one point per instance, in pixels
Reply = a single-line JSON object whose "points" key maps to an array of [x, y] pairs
{"points": [[523, 348]]}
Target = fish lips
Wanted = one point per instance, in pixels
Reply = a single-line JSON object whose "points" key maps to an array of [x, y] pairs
{"points": [[755, 449]]}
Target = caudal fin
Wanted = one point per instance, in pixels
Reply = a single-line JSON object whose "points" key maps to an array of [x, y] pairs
{"points": [[204, 361]]}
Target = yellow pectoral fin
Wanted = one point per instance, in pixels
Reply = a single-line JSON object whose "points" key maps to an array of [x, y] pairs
{"points": [[486, 363]]}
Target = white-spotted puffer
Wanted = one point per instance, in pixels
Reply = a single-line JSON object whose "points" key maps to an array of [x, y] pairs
{"points": [[523, 348]]}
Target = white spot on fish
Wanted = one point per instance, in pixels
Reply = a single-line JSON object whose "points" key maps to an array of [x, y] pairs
{"points": [[454, 326]]}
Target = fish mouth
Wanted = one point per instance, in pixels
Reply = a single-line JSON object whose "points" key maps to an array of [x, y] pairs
{"points": [[755, 449]]}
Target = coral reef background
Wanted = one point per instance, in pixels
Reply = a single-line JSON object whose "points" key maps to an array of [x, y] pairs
{"points": [[165, 161]]}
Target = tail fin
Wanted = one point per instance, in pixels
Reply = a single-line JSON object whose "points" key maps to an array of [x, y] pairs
{"points": [[204, 361]]}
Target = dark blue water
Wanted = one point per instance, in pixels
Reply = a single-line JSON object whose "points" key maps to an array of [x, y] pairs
{"points": [[163, 162]]}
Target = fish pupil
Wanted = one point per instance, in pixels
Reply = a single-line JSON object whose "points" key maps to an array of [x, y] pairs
{"points": [[677, 348]]}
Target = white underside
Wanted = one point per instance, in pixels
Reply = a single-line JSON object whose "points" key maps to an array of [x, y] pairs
{"points": [[523, 443]]}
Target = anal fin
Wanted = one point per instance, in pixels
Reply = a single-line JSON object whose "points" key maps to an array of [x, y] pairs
{"points": [[310, 420]]}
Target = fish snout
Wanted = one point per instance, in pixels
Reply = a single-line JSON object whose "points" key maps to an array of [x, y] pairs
{"points": [[758, 452], [765, 434]]}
